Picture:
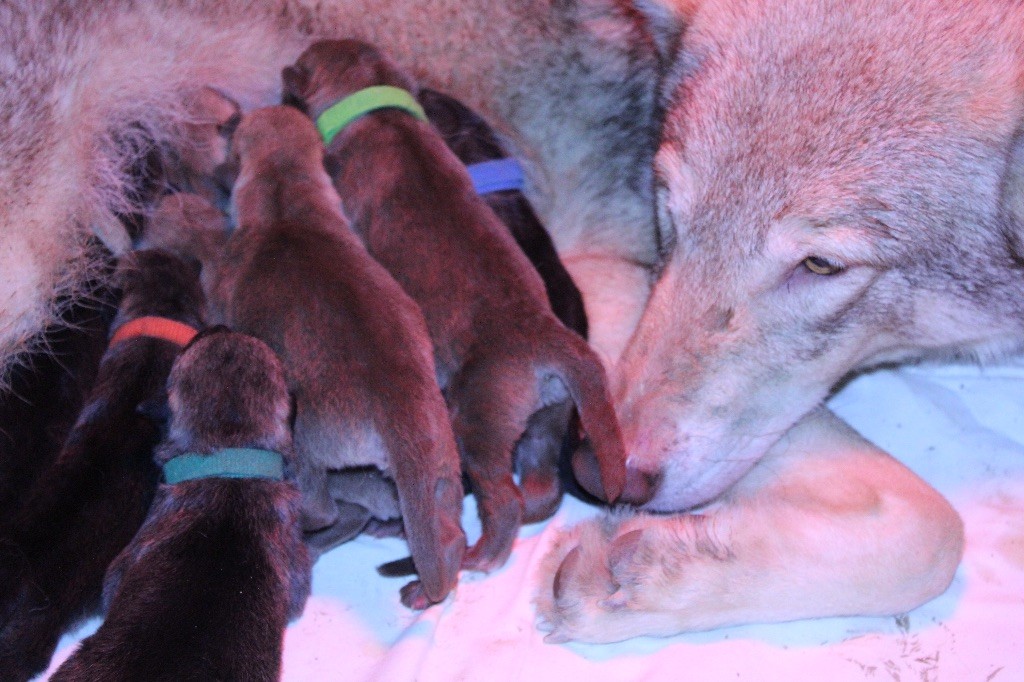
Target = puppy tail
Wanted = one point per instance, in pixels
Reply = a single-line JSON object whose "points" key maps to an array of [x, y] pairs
{"points": [[428, 477], [584, 377]]}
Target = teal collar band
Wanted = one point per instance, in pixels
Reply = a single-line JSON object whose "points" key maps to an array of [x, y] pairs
{"points": [[226, 463], [362, 102]]}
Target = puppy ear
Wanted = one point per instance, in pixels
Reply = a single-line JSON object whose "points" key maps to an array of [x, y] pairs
{"points": [[295, 85], [225, 174]]}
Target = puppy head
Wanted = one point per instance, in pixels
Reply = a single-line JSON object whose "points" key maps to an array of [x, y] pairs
{"points": [[463, 130], [188, 226], [228, 389], [157, 282], [278, 135], [330, 70], [211, 117]]}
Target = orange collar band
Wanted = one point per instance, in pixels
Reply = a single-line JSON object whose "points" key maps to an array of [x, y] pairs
{"points": [[156, 328]]}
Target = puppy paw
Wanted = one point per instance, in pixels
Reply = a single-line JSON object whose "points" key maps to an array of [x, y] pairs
{"points": [[501, 507], [413, 596]]}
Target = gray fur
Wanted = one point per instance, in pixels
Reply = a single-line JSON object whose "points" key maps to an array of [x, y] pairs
{"points": [[85, 98], [881, 135]]}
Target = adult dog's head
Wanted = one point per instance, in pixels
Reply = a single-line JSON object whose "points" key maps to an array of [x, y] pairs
{"points": [[838, 185]]}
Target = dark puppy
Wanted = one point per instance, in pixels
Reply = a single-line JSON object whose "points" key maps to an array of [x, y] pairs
{"points": [[205, 589], [355, 347], [45, 395], [476, 144], [87, 506], [467, 134], [501, 354]]}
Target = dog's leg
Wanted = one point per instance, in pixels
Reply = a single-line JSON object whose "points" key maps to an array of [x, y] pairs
{"points": [[827, 524], [615, 290]]}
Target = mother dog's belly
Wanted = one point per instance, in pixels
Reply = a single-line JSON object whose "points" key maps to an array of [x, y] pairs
{"points": [[86, 97]]}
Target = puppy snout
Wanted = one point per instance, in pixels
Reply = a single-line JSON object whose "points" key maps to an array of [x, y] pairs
{"points": [[640, 485]]}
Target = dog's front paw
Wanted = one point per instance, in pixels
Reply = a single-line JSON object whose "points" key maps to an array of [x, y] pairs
{"points": [[593, 588], [611, 579]]}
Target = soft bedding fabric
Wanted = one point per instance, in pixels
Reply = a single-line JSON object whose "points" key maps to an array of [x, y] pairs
{"points": [[959, 427]]}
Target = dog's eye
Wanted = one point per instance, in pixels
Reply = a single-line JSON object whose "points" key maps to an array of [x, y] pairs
{"points": [[822, 266]]}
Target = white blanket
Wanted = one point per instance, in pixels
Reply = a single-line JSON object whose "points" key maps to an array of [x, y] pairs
{"points": [[959, 427]]}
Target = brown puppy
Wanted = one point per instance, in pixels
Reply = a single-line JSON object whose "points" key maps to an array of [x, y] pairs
{"points": [[207, 586], [205, 123], [191, 166], [537, 453], [354, 345], [189, 226], [469, 136], [501, 354], [87, 506], [192, 227]]}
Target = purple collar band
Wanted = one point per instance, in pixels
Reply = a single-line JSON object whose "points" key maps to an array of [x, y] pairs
{"points": [[496, 176]]}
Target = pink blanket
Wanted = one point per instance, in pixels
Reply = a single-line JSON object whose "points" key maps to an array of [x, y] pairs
{"points": [[958, 427]]}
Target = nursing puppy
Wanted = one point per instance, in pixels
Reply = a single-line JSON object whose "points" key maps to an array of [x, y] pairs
{"points": [[473, 141], [469, 136], [186, 163], [105, 69], [190, 165], [354, 346], [206, 588], [501, 354], [86, 507], [190, 227], [39, 408]]}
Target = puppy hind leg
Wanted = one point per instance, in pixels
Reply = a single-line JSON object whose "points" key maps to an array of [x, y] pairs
{"points": [[350, 522], [491, 404], [536, 460], [318, 510]]}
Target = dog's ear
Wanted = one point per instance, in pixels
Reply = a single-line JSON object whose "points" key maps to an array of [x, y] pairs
{"points": [[295, 86], [632, 25], [225, 174], [1012, 201], [665, 21]]}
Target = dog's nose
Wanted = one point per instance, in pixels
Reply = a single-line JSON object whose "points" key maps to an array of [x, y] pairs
{"points": [[640, 485]]}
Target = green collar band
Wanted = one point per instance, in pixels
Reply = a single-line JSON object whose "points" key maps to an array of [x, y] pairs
{"points": [[226, 463], [362, 102]]}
